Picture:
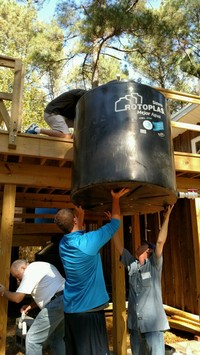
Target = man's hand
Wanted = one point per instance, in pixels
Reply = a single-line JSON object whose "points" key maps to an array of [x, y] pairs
{"points": [[167, 211], [108, 215], [80, 213], [119, 193], [115, 201], [162, 236], [25, 308], [2, 290]]}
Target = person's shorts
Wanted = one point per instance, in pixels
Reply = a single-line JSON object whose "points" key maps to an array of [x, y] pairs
{"points": [[57, 122]]}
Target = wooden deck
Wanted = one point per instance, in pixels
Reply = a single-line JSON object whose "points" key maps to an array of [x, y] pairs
{"points": [[41, 166]]}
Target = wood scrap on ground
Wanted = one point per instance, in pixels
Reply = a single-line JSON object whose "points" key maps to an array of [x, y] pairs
{"points": [[182, 320]]}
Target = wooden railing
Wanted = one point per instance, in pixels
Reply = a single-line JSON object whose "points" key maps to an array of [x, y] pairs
{"points": [[12, 119]]}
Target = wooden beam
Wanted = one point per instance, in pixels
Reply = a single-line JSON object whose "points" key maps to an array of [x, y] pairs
{"points": [[136, 238], [4, 114], [7, 62], [16, 107], [36, 240], [171, 311], [184, 326], [6, 233], [43, 204], [36, 228], [182, 96], [119, 299], [37, 200], [43, 147], [187, 162], [183, 125], [5, 96], [35, 175], [38, 146], [183, 184], [195, 219]]}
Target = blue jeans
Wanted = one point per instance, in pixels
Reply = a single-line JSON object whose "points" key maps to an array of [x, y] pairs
{"points": [[47, 326], [151, 343]]}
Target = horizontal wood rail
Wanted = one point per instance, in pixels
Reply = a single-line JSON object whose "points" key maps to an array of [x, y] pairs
{"points": [[188, 126], [181, 96]]}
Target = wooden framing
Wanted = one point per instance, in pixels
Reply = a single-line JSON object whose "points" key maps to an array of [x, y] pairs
{"points": [[35, 171], [195, 212], [6, 230], [13, 120], [118, 292]]}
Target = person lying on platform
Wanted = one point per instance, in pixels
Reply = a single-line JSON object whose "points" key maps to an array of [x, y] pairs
{"points": [[59, 115], [45, 284], [85, 294], [147, 320]]}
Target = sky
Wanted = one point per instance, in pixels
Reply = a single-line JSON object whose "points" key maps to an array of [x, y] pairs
{"points": [[47, 11]]}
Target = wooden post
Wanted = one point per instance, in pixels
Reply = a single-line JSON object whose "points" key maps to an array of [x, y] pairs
{"points": [[4, 115], [195, 218], [136, 232], [15, 122], [119, 300], [6, 233]]}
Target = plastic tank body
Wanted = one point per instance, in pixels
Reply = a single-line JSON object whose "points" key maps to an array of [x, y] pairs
{"points": [[122, 138]]}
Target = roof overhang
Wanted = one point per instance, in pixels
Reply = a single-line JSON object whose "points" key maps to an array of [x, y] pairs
{"points": [[188, 114]]}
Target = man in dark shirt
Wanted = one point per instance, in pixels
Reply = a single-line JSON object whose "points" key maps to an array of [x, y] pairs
{"points": [[59, 115]]}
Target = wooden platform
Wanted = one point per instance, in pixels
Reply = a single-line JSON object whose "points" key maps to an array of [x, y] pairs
{"points": [[50, 162]]}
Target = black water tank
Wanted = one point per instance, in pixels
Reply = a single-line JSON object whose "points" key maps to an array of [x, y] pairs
{"points": [[122, 138]]}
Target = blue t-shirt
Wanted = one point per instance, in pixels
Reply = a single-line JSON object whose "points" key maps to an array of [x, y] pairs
{"points": [[80, 254]]}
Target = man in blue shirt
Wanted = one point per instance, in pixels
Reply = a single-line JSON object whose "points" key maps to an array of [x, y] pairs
{"points": [[146, 316], [85, 294]]}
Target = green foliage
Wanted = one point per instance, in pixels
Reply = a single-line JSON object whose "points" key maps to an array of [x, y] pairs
{"points": [[108, 70], [34, 101], [169, 54], [98, 24], [40, 47], [88, 42], [159, 44]]}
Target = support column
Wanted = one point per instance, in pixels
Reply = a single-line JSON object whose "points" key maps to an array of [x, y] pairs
{"points": [[15, 121], [136, 232], [195, 218], [119, 300], [6, 234]]}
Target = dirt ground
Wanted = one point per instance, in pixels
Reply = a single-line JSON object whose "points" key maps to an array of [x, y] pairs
{"points": [[13, 349]]}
